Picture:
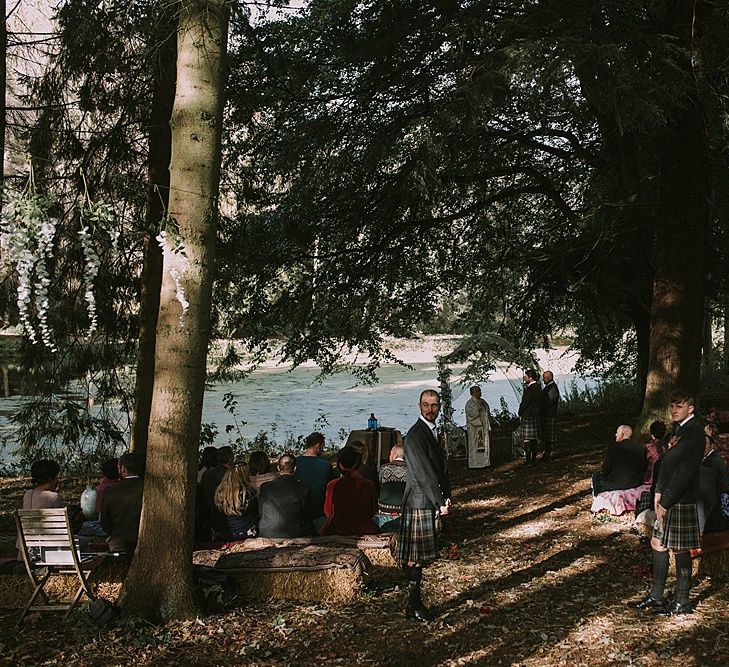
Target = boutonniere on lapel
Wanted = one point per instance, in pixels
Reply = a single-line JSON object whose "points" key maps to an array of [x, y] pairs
{"points": [[673, 441]]}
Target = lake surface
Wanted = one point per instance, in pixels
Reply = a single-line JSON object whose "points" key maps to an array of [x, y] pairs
{"points": [[285, 402]]}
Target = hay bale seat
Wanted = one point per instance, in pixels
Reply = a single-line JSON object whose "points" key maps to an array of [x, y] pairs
{"points": [[712, 559], [16, 589], [263, 569]]}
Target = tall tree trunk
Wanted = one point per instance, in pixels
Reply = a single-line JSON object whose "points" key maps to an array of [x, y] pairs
{"points": [[677, 312], [3, 92], [158, 186], [159, 584]]}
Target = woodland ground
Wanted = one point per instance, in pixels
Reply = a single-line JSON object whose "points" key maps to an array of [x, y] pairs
{"points": [[526, 577]]}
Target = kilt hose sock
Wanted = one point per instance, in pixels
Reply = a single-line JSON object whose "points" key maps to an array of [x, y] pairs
{"points": [[660, 572], [683, 577]]}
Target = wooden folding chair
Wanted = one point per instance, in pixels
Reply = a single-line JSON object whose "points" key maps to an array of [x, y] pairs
{"points": [[48, 548]]}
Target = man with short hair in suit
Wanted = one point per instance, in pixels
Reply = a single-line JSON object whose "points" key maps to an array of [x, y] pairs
{"points": [[285, 503], [210, 481], [427, 492], [550, 402], [122, 505], [530, 411], [624, 466]]}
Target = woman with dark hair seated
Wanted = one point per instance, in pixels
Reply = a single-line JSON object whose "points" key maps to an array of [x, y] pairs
{"points": [[655, 449], [259, 468], [208, 460], [44, 494], [236, 499], [351, 500]]}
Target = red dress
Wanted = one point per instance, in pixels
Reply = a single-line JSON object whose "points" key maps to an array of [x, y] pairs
{"points": [[350, 504]]}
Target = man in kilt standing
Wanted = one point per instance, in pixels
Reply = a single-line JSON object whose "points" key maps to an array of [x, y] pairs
{"points": [[677, 520], [550, 403], [530, 411], [427, 492]]}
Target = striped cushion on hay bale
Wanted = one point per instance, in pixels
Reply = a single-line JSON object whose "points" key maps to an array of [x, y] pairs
{"points": [[311, 572]]}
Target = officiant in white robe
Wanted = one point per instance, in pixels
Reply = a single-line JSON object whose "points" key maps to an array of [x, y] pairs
{"points": [[478, 424]]}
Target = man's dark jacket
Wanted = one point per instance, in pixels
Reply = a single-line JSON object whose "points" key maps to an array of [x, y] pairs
{"points": [[427, 485], [120, 512], [210, 481], [550, 399], [285, 507], [531, 402], [678, 477], [625, 464]]}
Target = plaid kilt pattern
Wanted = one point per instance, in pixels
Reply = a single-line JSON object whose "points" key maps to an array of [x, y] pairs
{"points": [[644, 503], [530, 428], [417, 539], [549, 430], [679, 530]]}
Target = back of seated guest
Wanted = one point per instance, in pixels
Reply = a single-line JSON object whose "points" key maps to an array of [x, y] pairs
{"points": [[654, 449], [624, 465], [122, 504], [351, 500], [208, 460], [363, 467], [44, 478], [210, 481], [392, 482], [259, 468], [712, 483], [285, 503], [109, 477], [236, 499]]}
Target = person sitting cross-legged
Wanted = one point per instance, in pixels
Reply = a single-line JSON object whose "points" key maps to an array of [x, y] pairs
{"points": [[624, 466], [236, 499], [351, 500], [285, 503]]}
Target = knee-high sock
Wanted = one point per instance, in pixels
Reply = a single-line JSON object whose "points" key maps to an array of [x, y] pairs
{"points": [[660, 572], [415, 577], [683, 577]]}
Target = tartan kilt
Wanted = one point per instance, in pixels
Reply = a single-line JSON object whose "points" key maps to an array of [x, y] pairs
{"points": [[679, 530], [549, 430], [530, 428], [644, 503], [417, 539]]}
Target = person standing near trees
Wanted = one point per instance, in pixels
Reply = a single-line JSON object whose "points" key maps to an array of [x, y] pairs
{"points": [[427, 493], [478, 423], [677, 520], [550, 402], [530, 411]]}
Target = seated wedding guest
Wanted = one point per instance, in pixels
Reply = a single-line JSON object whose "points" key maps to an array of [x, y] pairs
{"points": [[285, 503], [236, 499], [363, 467], [210, 480], [713, 483], [315, 471], [259, 468], [351, 500], [122, 505], [392, 483], [624, 465], [208, 460], [44, 478], [654, 449], [109, 477]]}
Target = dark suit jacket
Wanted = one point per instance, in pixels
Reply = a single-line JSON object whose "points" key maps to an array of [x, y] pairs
{"points": [[210, 481], [678, 477], [285, 508], [625, 464], [550, 399], [427, 485], [531, 402], [120, 512]]}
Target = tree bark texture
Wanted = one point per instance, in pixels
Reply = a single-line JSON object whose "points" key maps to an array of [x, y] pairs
{"points": [[158, 186], [677, 312], [159, 584]]}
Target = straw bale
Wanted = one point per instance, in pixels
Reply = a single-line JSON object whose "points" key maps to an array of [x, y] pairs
{"points": [[714, 564], [335, 585], [380, 557]]}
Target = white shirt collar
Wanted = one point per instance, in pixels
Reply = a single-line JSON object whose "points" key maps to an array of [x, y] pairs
{"points": [[431, 425], [691, 416]]}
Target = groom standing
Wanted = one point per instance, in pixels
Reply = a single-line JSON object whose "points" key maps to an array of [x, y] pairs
{"points": [[427, 492]]}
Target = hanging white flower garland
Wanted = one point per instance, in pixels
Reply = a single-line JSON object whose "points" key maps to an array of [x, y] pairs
{"points": [[168, 250]]}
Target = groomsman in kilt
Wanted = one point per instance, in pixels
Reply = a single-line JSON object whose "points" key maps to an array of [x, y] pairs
{"points": [[550, 402], [427, 493], [530, 411], [677, 521]]}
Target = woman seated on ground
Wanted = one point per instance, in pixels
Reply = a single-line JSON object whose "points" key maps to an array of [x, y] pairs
{"points": [[259, 468], [236, 499], [351, 500], [655, 449]]}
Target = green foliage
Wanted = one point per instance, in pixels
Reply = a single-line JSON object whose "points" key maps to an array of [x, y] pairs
{"points": [[609, 395]]}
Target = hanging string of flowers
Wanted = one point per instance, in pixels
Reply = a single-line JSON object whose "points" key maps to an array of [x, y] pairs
{"points": [[27, 233], [170, 242]]}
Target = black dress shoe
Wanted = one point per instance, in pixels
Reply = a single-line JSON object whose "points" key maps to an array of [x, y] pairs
{"points": [[674, 609], [419, 613], [647, 603]]}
